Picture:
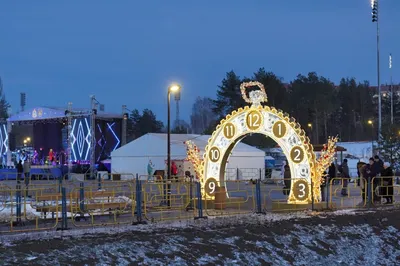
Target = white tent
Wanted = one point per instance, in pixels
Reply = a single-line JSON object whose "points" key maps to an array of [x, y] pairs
{"points": [[134, 157]]}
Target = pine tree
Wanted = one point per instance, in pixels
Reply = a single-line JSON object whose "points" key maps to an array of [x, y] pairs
{"points": [[389, 146], [229, 97]]}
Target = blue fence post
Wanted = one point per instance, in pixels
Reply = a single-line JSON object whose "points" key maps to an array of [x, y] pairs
{"points": [[327, 192], [138, 199], [99, 181], [60, 183], [82, 197], [190, 206], [199, 203], [369, 193], [258, 197], [64, 208], [312, 195], [64, 217], [19, 202]]}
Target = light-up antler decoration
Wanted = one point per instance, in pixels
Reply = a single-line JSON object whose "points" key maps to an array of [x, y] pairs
{"points": [[326, 158], [193, 155]]}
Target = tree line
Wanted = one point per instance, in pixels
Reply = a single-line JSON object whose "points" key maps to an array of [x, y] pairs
{"points": [[321, 107], [347, 110]]}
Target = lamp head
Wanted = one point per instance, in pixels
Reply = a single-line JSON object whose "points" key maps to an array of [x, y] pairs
{"points": [[369, 122], [174, 88], [309, 125]]}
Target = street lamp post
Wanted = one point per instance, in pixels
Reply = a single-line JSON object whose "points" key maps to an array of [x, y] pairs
{"points": [[311, 132], [391, 89], [171, 89], [375, 18], [371, 123]]}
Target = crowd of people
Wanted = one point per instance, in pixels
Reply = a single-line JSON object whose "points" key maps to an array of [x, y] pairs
{"points": [[374, 175]]}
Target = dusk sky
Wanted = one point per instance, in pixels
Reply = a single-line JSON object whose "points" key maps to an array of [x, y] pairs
{"points": [[127, 52]]}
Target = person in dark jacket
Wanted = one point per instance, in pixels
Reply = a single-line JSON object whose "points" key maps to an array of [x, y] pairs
{"points": [[378, 165], [360, 164], [287, 179], [20, 170], [323, 185], [363, 183], [386, 189], [332, 172], [378, 168], [344, 168], [369, 175]]}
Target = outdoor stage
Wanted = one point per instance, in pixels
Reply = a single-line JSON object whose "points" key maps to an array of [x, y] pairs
{"points": [[79, 138], [37, 172]]}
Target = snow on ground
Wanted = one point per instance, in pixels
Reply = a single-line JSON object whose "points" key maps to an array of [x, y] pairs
{"points": [[361, 149], [340, 238], [28, 211]]}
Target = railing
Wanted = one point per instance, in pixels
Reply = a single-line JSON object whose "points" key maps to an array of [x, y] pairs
{"points": [[60, 204]]}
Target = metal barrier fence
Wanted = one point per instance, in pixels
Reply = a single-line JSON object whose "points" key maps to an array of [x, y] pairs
{"points": [[231, 198], [168, 200], [19, 207], [65, 204]]}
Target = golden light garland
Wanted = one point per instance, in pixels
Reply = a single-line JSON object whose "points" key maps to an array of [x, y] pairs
{"points": [[245, 85], [316, 167], [193, 156], [326, 158]]}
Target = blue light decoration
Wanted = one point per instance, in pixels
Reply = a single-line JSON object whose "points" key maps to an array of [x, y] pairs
{"points": [[110, 127], [107, 139], [3, 139], [80, 139], [102, 142]]}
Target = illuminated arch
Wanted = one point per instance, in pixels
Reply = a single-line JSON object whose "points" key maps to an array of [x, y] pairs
{"points": [[270, 122]]}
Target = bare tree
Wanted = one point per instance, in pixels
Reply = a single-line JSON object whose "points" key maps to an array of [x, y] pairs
{"points": [[202, 115]]}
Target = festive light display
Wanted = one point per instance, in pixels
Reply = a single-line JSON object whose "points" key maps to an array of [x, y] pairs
{"points": [[306, 171], [117, 140], [105, 150], [326, 158], [3, 139], [193, 156], [256, 97], [81, 139]]}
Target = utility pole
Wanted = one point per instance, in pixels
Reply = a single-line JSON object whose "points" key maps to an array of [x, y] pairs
{"points": [[23, 101], [124, 125], [93, 112], [69, 139], [375, 18], [391, 88]]}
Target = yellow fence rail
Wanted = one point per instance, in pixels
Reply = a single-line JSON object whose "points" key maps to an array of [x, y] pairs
{"points": [[33, 205], [168, 200]]}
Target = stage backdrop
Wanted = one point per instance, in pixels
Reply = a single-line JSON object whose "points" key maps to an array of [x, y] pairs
{"points": [[107, 133], [47, 136], [3, 138], [108, 138]]}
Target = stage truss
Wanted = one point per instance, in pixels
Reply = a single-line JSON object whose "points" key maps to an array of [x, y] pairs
{"points": [[81, 135]]}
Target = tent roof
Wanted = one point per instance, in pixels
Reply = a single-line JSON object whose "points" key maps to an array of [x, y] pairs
{"points": [[155, 144], [44, 113]]}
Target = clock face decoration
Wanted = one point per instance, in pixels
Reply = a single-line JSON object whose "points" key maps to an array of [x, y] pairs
{"points": [[271, 123]]}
